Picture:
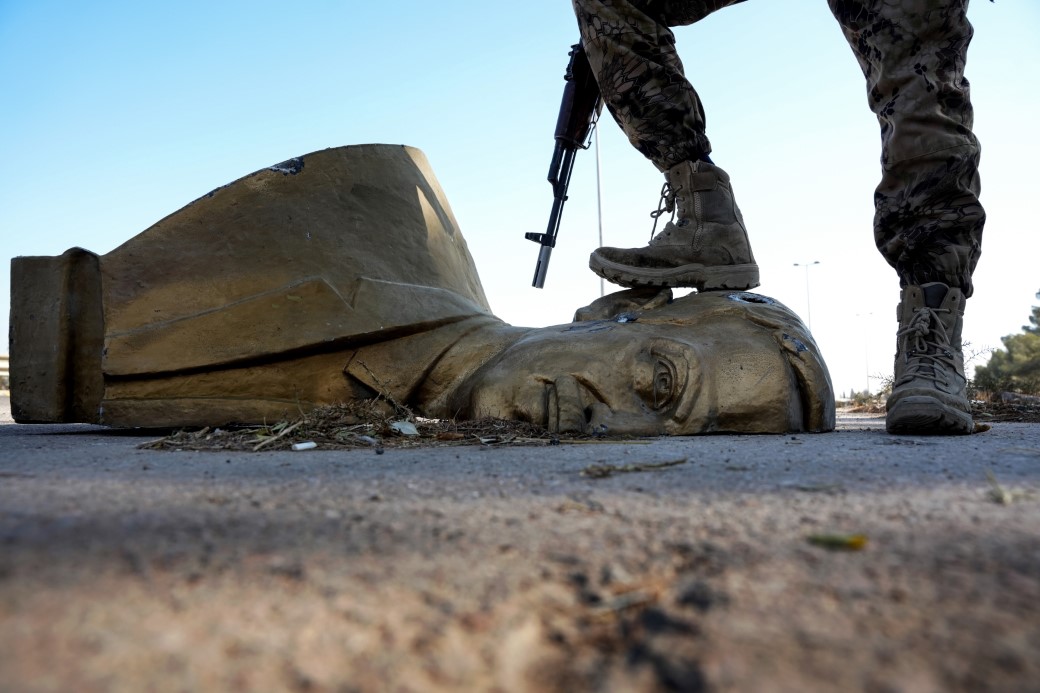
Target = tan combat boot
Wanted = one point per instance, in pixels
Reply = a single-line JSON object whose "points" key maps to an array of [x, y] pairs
{"points": [[705, 247], [928, 393]]}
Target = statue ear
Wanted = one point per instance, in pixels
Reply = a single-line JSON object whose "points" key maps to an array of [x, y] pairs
{"points": [[814, 382], [628, 301]]}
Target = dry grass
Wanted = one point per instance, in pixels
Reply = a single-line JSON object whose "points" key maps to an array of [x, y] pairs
{"points": [[371, 424], [368, 424], [983, 411], [1021, 412]]}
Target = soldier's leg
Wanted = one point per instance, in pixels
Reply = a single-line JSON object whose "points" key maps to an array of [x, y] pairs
{"points": [[928, 221], [632, 53]]}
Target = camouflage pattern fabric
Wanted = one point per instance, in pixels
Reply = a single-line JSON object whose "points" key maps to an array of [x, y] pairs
{"points": [[928, 222]]}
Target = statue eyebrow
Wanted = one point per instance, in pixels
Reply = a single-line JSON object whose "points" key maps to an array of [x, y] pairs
{"points": [[590, 326], [799, 345]]}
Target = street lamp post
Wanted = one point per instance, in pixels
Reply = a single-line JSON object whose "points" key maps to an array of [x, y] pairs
{"points": [[808, 303], [599, 207]]}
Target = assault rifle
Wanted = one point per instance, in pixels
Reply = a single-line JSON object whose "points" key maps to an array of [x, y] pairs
{"points": [[579, 111]]}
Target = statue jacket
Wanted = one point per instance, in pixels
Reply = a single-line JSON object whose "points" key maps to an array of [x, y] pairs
{"points": [[269, 281]]}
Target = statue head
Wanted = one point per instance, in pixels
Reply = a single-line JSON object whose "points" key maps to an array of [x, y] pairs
{"points": [[638, 362]]}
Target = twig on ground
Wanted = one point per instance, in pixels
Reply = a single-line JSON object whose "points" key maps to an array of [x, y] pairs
{"points": [[602, 471], [285, 430], [838, 542], [1002, 496]]}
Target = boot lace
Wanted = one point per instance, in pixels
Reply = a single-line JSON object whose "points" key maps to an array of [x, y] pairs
{"points": [[666, 205], [928, 352]]}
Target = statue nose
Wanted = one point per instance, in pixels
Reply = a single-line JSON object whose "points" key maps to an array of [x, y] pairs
{"points": [[566, 406]]}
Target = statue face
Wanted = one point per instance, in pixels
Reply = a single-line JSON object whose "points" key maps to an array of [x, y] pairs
{"points": [[703, 367]]}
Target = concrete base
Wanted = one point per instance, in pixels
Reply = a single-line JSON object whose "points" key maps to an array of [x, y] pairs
{"points": [[507, 569]]}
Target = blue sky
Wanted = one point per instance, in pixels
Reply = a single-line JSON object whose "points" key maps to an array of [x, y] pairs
{"points": [[117, 114]]}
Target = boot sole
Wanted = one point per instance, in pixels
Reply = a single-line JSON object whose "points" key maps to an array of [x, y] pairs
{"points": [[927, 416], [737, 277]]}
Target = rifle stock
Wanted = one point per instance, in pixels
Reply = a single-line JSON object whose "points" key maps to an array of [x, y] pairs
{"points": [[579, 109]]}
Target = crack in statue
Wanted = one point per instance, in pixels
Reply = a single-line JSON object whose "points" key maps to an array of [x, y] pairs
{"points": [[345, 276]]}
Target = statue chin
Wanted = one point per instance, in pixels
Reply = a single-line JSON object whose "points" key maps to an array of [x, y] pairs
{"points": [[342, 274]]}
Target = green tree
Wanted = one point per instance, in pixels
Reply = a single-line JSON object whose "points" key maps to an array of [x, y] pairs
{"points": [[1016, 367], [1034, 319]]}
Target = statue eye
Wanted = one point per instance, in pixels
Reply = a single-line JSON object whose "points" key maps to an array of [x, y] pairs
{"points": [[663, 385], [663, 378]]}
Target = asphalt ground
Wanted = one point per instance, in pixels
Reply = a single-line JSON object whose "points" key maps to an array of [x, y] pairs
{"points": [[853, 560]]}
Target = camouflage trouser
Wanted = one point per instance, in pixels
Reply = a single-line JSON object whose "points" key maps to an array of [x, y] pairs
{"points": [[928, 223]]}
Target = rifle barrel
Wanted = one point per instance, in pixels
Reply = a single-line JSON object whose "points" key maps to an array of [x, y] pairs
{"points": [[578, 110], [541, 268]]}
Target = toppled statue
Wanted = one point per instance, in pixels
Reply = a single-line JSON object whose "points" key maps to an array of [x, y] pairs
{"points": [[342, 275]]}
